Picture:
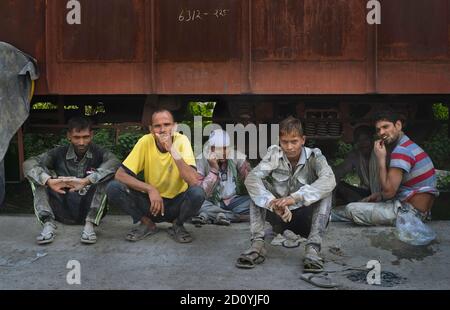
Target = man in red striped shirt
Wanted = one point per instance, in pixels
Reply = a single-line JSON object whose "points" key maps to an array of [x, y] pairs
{"points": [[407, 177]]}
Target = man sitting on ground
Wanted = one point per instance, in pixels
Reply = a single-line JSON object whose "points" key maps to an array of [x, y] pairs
{"points": [[292, 185], [223, 171], [407, 177], [69, 183], [361, 160], [169, 192]]}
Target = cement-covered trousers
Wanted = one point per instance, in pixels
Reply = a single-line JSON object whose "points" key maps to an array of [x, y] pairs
{"points": [[70, 208], [320, 214], [237, 206], [376, 213]]}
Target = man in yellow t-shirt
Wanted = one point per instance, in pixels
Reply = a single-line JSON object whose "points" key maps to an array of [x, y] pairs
{"points": [[169, 193]]}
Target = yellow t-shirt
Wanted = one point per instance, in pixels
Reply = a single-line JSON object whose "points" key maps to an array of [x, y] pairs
{"points": [[159, 168]]}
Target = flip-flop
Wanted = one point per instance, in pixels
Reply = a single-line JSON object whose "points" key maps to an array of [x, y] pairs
{"points": [[289, 243], [319, 280], [88, 238], [47, 235], [140, 232]]}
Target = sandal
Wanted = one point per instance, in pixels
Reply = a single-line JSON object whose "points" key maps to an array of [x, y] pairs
{"points": [[140, 233], [47, 235], [88, 237], [255, 255], [319, 280], [312, 261], [179, 234]]}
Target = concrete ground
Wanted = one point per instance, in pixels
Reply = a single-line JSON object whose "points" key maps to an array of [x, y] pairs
{"points": [[208, 263]]}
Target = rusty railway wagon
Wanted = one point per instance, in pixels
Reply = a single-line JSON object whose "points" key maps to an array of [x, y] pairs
{"points": [[260, 60]]}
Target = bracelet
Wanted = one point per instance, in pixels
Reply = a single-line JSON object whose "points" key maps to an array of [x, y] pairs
{"points": [[215, 172]]}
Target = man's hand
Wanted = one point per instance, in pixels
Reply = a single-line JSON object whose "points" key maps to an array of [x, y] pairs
{"points": [[282, 202], [212, 161], [376, 197], [156, 202], [281, 208], [380, 150], [165, 140], [75, 184], [57, 185]]}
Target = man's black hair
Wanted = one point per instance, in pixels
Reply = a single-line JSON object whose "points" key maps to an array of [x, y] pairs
{"points": [[363, 130], [79, 123], [160, 110], [388, 115]]}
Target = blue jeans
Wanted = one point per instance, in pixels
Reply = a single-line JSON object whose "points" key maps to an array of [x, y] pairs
{"points": [[239, 205], [137, 204]]}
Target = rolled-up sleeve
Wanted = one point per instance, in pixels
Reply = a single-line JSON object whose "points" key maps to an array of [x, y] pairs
{"points": [[36, 169], [321, 187], [260, 195], [107, 168]]}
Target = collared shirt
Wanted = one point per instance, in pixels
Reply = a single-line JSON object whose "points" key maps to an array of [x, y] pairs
{"points": [[311, 180], [97, 164]]}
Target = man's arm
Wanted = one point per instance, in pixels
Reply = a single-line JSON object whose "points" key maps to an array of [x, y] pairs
{"points": [[107, 168], [36, 169], [260, 195], [207, 181], [319, 189], [188, 173], [389, 179], [156, 202]]}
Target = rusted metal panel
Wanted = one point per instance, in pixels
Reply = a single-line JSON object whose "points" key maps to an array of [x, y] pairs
{"points": [[199, 78], [198, 30], [198, 46], [310, 47], [109, 31], [413, 78], [22, 24], [414, 30], [308, 30], [105, 54], [233, 46], [414, 47], [309, 78]]}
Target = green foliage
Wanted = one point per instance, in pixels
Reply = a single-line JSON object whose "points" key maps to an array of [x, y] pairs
{"points": [[438, 147], [126, 143], [443, 183], [38, 143], [341, 152], [201, 108], [44, 106], [440, 112]]}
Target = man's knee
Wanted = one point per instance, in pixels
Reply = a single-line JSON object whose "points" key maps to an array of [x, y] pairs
{"points": [[196, 195], [114, 190]]}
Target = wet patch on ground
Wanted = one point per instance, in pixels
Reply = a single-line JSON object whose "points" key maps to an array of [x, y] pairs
{"points": [[388, 279], [389, 242]]}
